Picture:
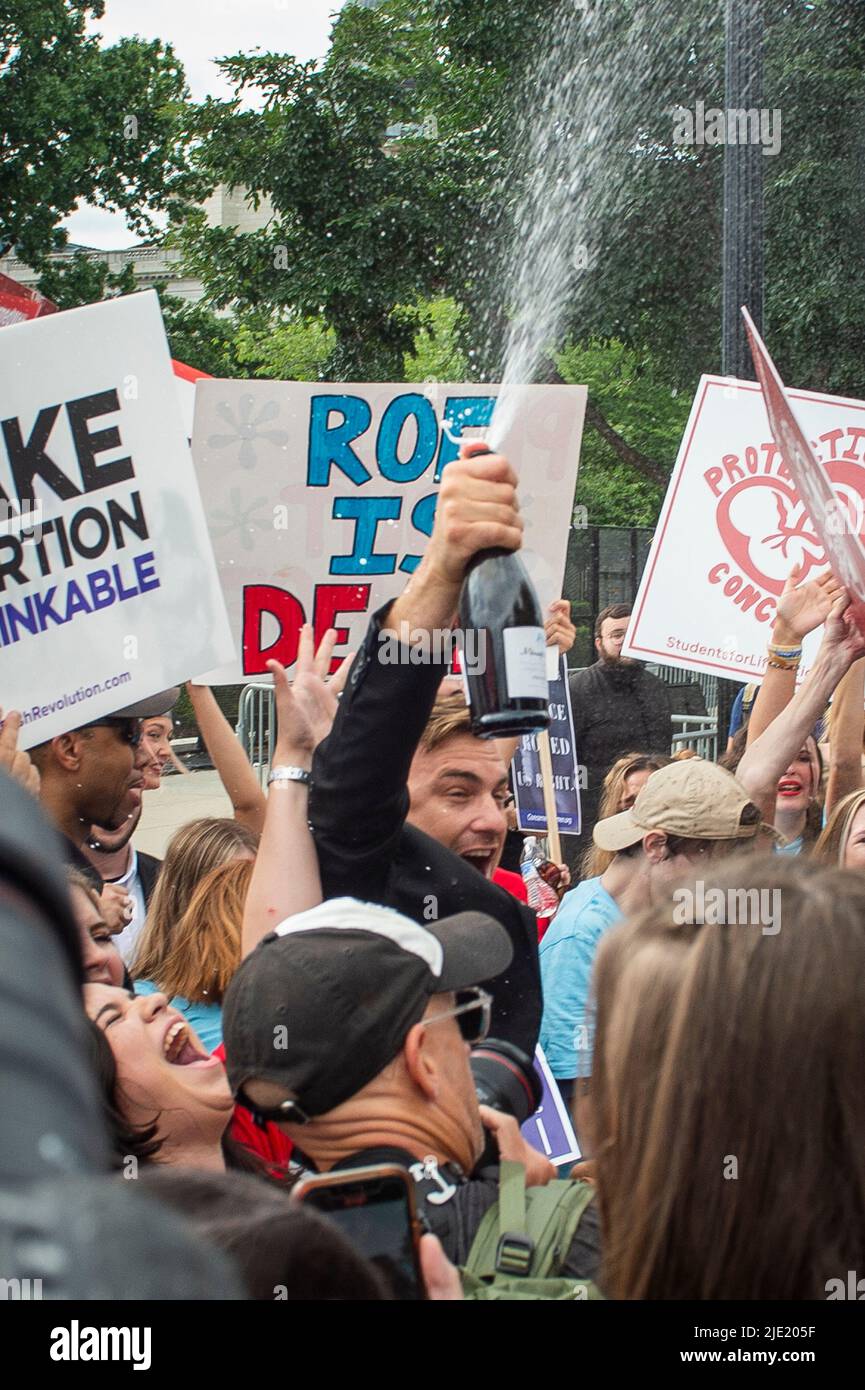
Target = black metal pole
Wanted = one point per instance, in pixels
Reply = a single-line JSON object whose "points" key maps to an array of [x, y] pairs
{"points": [[743, 186], [743, 220]]}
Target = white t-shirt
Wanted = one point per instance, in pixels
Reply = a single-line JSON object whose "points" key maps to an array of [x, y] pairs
{"points": [[127, 940]]}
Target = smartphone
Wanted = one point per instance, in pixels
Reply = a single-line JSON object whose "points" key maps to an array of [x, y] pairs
{"points": [[376, 1211]]}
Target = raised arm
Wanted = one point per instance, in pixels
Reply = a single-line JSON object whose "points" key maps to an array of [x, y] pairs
{"points": [[359, 801], [845, 738], [801, 609], [228, 757], [767, 757], [14, 760], [286, 878]]}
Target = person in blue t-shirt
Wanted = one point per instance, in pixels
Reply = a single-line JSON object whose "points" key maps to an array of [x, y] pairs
{"points": [[684, 814]]}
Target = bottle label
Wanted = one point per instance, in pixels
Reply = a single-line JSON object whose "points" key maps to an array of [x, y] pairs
{"points": [[526, 663]]}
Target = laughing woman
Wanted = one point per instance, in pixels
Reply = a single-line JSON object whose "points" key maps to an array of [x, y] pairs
{"points": [[163, 1093]]}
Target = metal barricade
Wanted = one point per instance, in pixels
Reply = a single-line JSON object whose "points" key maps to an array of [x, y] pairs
{"points": [[256, 725], [699, 733]]}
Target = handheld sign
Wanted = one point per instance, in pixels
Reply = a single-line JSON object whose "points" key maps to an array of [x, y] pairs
{"points": [[320, 498], [18, 303], [108, 588], [528, 776], [733, 524], [550, 1130], [836, 525]]}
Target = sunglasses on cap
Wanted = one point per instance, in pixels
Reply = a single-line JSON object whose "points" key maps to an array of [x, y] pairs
{"points": [[128, 729]]}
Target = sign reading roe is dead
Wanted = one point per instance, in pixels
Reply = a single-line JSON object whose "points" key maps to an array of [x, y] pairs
{"points": [[320, 498], [733, 525]]}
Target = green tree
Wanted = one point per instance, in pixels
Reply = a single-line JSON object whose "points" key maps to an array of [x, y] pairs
{"points": [[82, 279], [285, 350], [365, 226], [81, 122], [199, 337]]}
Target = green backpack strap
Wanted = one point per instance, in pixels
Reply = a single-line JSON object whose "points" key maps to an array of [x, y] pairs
{"points": [[527, 1233]]}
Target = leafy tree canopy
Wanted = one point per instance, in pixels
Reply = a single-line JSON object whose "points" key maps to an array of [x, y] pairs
{"points": [[81, 122]]}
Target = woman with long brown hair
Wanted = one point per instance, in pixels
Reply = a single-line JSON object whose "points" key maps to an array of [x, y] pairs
{"points": [[749, 1182], [194, 852], [203, 950]]}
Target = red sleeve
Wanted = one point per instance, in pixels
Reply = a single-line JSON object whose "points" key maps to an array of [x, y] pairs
{"points": [[269, 1143], [513, 884]]}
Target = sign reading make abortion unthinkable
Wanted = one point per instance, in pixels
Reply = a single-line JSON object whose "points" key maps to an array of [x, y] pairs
{"points": [[733, 524], [108, 588], [320, 498], [527, 779]]}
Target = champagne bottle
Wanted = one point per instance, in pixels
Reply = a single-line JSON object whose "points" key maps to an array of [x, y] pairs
{"points": [[506, 685]]}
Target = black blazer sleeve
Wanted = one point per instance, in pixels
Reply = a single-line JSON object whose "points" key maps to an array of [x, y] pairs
{"points": [[359, 797], [148, 872]]}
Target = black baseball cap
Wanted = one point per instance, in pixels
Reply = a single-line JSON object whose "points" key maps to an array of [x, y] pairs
{"points": [[324, 1003]]}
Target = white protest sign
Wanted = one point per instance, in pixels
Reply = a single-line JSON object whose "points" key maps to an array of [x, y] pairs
{"points": [[108, 588], [320, 498], [550, 1129], [733, 525]]}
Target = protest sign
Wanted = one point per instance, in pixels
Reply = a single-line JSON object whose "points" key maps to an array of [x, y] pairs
{"points": [[832, 520], [320, 498], [732, 526], [526, 766], [550, 1130], [18, 303], [108, 589]]}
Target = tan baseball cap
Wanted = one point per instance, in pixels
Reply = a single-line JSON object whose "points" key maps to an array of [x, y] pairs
{"points": [[695, 799]]}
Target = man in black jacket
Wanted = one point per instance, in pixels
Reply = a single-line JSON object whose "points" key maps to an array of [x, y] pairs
{"points": [[359, 806], [618, 708]]}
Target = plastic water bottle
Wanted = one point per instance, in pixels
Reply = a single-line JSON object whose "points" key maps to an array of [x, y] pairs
{"points": [[543, 900]]}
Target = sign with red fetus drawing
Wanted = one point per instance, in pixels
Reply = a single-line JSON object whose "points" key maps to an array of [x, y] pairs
{"points": [[831, 496], [736, 518]]}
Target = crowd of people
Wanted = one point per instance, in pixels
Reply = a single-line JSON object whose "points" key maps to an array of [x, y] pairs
{"points": [[322, 982]]}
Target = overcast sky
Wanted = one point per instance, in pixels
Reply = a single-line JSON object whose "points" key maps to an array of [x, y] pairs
{"points": [[202, 30]]}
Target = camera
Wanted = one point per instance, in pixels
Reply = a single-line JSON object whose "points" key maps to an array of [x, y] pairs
{"points": [[505, 1079]]}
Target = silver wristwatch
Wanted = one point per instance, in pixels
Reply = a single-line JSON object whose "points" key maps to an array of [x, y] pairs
{"points": [[289, 774]]}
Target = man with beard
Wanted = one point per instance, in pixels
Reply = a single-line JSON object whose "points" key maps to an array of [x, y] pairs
{"points": [[617, 706], [94, 775], [129, 875]]}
